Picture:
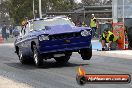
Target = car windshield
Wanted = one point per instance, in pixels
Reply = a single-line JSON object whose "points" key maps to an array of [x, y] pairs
{"points": [[41, 24]]}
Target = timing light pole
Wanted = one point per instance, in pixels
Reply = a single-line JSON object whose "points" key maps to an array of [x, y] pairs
{"points": [[33, 10], [40, 9]]}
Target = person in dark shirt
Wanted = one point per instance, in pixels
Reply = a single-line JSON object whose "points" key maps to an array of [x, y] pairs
{"points": [[4, 34]]}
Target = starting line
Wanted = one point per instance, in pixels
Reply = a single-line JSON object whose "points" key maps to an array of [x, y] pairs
{"points": [[7, 44]]}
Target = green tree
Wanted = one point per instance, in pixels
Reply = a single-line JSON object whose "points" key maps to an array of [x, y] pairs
{"points": [[96, 2], [4, 13], [62, 5], [19, 9]]}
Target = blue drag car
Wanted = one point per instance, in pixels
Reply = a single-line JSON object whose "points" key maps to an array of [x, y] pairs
{"points": [[55, 37]]}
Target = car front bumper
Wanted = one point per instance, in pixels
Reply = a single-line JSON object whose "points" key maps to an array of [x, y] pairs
{"points": [[63, 45]]}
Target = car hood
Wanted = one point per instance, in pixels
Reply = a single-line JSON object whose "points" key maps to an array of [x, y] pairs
{"points": [[59, 29]]}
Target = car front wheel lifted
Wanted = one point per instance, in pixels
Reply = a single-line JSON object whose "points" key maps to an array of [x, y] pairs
{"points": [[86, 54]]}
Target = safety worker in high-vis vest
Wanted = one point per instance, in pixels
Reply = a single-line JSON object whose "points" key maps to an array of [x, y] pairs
{"points": [[110, 38], [93, 25]]}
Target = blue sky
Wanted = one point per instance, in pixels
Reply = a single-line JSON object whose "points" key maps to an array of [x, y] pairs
{"points": [[78, 1]]}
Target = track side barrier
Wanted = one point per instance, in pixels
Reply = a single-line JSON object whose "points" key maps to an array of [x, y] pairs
{"points": [[1, 39], [120, 32]]}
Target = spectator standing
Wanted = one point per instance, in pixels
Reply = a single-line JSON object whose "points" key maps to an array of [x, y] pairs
{"points": [[93, 25], [11, 29], [4, 35], [24, 23], [7, 33]]}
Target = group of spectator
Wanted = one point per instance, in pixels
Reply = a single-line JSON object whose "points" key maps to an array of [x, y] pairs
{"points": [[108, 39], [6, 32], [93, 25]]}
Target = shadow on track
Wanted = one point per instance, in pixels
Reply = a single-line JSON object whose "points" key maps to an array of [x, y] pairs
{"points": [[46, 65]]}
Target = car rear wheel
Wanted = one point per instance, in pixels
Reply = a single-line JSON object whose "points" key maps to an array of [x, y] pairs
{"points": [[37, 58], [63, 59], [21, 57], [86, 54]]}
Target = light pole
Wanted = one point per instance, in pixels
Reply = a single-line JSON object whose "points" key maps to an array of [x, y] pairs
{"points": [[33, 10], [123, 12], [123, 18], [40, 9], [84, 14], [115, 11]]}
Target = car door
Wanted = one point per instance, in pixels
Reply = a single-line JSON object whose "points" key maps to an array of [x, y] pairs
{"points": [[22, 41]]}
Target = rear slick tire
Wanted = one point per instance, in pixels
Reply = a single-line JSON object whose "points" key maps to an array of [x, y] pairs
{"points": [[37, 58], [21, 57]]}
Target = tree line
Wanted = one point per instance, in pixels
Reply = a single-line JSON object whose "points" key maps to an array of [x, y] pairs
{"points": [[19, 9]]}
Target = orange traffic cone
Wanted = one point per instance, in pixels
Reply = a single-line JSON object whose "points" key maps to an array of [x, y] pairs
{"points": [[1, 39]]}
